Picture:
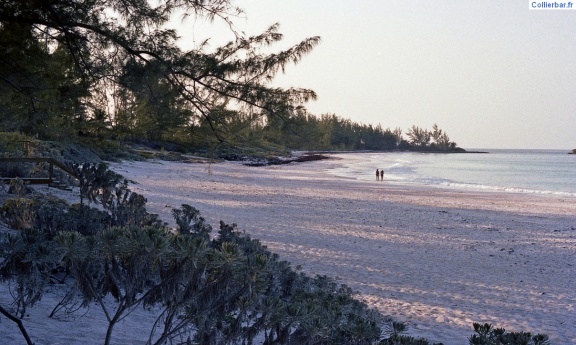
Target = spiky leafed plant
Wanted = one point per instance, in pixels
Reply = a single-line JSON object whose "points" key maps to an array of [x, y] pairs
{"points": [[28, 260], [485, 334], [287, 306], [189, 222], [180, 293], [100, 185], [124, 263]]}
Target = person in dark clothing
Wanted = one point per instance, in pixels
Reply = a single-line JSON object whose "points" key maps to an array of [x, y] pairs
{"points": [[377, 174], [381, 174]]}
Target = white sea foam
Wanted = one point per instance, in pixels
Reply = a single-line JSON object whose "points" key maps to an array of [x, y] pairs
{"points": [[518, 171]]}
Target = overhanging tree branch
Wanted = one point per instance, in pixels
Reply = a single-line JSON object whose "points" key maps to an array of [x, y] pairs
{"points": [[95, 31]]}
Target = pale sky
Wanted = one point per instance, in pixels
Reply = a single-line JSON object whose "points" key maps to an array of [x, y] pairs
{"points": [[493, 74]]}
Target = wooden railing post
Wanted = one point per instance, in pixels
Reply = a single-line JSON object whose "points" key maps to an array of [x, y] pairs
{"points": [[26, 147], [51, 172]]}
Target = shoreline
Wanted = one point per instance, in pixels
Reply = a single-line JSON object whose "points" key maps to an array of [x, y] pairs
{"points": [[388, 151], [403, 169], [436, 258]]}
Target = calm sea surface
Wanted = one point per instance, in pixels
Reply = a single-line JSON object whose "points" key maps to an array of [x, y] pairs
{"points": [[522, 171]]}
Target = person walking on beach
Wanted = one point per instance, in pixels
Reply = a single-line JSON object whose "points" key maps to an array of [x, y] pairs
{"points": [[381, 174], [377, 174]]}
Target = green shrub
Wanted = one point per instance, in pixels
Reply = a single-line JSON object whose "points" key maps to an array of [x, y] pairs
{"points": [[87, 220], [405, 340], [18, 187], [51, 215], [8, 169], [287, 306], [19, 213], [102, 186], [189, 222], [13, 142], [28, 260], [487, 335]]}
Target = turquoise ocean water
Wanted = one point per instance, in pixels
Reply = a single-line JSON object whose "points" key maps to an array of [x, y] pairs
{"points": [[551, 172]]}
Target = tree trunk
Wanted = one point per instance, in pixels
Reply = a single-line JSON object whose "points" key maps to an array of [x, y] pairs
{"points": [[19, 323], [112, 323]]}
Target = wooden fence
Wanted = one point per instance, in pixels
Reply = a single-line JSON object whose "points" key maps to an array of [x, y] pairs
{"points": [[39, 180]]}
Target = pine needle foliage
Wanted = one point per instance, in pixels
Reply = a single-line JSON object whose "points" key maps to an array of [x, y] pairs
{"points": [[121, 49], [485, 334], [28, 260]]}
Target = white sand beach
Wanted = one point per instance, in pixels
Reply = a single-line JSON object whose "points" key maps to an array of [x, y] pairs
{"points": [[438, 259]]}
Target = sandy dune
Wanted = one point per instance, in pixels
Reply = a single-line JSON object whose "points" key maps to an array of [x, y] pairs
{"points": [[438, 259]]}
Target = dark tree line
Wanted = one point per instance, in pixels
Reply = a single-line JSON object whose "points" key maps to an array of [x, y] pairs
{"points": [[330, 132], [108, 69]]}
